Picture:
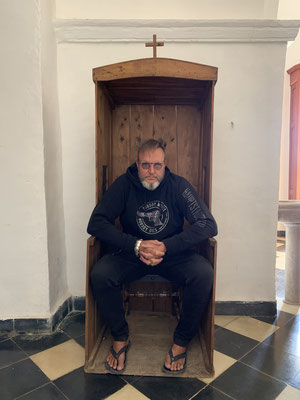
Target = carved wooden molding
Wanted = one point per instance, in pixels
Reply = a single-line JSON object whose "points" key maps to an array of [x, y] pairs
{"points": [[138, 30]]}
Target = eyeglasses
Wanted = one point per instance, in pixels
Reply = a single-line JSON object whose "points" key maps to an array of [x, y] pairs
{"points": [[157, 165]]}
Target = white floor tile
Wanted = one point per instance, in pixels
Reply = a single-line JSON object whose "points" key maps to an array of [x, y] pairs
{"points": [[127, 393], [289, 393], [221, 364], [281, 305], [223, 320], [60, 359], [252, 328]]}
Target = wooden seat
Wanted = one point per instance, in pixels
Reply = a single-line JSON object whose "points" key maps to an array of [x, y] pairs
{"points": [[165, 99]]}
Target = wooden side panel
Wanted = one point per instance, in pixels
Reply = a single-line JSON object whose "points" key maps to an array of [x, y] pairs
{"points": [[294, 162], [206, 148], [165, 120], [141, 127], [103, 138], [120, 140], [188, 142], [92, 324], [208, 319]]}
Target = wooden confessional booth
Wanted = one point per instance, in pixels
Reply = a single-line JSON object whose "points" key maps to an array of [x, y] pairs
{"points": [[136, 100]]}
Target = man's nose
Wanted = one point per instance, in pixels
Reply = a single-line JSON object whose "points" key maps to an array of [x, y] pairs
{"points": [[151, 169]]}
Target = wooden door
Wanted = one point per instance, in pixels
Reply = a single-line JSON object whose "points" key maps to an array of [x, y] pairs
{"points": [[294, 162]]}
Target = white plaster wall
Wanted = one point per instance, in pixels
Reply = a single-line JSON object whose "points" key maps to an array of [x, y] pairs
{"points": [[23, 230], [246, 156], [157, 9], [58, 291]]}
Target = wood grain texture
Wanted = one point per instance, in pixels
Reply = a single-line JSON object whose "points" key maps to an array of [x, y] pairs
{"points": [[155, 67], [120, 141], [141, 127], [165, 119], [158, 90], [188, 142], [92, 324], [206, 149], [103, 138]]}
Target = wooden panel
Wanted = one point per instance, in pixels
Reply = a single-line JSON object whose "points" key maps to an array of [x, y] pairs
{"points": [[207, 325], [188, 142], [155, 67], [165, 129], [120, 140], [161, 90], [103, 139], [205, 174], [141, 127], [92, 323], [294, 161]]}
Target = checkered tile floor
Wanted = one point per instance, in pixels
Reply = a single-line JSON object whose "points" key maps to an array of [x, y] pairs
{"points": [[254, 359]]}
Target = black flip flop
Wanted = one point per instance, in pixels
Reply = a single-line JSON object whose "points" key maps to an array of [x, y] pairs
{"points": [[116, 356], [175, 358]]}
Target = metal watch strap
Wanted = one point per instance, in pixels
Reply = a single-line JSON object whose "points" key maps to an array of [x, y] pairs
{"points": [[137, 247]]}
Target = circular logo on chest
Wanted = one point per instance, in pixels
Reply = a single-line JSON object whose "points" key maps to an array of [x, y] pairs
{"points": [[152, 217]]}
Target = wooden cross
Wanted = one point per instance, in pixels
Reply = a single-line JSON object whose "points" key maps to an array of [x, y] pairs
{"points": [[154, 44]]}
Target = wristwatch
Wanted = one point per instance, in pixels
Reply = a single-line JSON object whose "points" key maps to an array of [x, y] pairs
{"points": [[137, 247]]}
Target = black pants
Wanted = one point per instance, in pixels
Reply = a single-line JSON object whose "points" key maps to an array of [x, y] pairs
{"points": [[190, 270]]}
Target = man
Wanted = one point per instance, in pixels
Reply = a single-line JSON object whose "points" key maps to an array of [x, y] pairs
{"points": [[151, 203]]}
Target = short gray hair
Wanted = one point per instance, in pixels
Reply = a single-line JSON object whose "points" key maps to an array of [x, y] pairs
{"points": [[151, 144]]}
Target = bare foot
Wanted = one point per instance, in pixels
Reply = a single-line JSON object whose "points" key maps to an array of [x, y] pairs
{"points": [[175, 365], [117, 364]]}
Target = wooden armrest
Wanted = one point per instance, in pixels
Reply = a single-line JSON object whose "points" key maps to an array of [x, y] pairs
{"points": [[92, 241], [212, 242]]}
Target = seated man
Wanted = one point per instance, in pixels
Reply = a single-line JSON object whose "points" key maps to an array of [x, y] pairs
{"points": [[151, 203]]}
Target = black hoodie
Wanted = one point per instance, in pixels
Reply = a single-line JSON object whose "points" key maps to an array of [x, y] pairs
{"points": [[149, 215]]}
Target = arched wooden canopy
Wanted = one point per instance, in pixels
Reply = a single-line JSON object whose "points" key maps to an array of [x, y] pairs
{"points": [[160, 67], [156, 81]]}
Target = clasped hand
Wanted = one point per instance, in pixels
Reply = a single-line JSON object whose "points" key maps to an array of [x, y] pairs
{"points": [[152, 252]]}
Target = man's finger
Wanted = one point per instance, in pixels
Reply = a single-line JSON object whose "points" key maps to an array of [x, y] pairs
{"points": [[148, 254]]}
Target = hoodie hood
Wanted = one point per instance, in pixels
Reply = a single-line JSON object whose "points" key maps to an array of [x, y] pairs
{"points": [[133, 176]]}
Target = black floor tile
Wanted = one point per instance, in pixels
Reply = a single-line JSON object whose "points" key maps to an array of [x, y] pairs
{"points": [[81, 340], [232, 344], [245, 383], [47, 392], [130, 378], [4, 336], [10, 353], [80, 386], [33, 344], [281, 319], [287, 338], [210, 393], [157, 388], [74, 324], [275, 362], [20, 378]]}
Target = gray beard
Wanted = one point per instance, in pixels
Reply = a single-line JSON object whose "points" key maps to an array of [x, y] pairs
{"points": [[150, 186]]}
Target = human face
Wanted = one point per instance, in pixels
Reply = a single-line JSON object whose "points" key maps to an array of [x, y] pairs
{"points": [[150, 178]]}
